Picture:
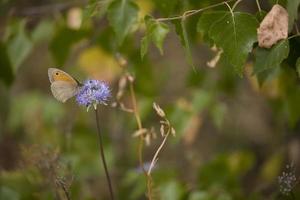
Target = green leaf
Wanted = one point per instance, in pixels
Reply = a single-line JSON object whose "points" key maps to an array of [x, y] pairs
{"points": [[292, 8], [95, 8], [90, 10], [144, 46], [182, 33], [270, 58], [205, 22], [201, 100], [122, 15], [43, 31], [156, 32], [6, 71], [8, 193], [293, 107], [217, 113], [260, 15], [171, 190], [62, 42], [199, 195], [19, 45], [298, 67], [235, 33], [266, 75], [166, 6]]}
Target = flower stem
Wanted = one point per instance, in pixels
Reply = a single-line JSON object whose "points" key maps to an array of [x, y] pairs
{"points": [[139, 123], [103, 157]]}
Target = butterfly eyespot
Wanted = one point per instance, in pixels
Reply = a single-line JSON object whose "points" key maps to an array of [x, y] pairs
{"points": [[56, 73]]}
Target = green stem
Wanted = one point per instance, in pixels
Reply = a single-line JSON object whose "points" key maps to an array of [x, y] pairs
{"points": [[103, 157]]}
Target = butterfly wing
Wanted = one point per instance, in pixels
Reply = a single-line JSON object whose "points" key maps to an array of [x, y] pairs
{"points": [[63, 86], [63, 90]]}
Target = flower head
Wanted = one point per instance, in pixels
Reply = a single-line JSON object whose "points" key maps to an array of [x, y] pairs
{"points": [[93, 92], [288, 180]]}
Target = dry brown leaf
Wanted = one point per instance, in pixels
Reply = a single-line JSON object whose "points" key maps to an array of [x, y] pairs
{"points": [[274, 27]]}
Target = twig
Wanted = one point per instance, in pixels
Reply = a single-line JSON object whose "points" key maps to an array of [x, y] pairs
{"points": [[193, 12], [103, 157], [139, 123], [63, 186], [293, 36], [141, 139], [236, 3], [258, 5], [155, 157]]}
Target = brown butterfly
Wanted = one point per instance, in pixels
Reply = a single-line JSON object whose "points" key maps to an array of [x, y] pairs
{"points": [[63, 86]]}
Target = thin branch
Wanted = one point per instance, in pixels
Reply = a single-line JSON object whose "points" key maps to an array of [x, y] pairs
{"points": [[155, 157], [63, 186], [103, 157], [258, 5], [230, 9], [193, 12], [139, 123], [141, 139], [293, 36], [135, 108], [236, 3]]}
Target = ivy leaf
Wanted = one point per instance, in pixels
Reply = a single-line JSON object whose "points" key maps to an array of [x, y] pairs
{"points": [[292, 8], [235, 33], [182, 33], [270, 58], [6, 71], [122, 15], [156, 32]]}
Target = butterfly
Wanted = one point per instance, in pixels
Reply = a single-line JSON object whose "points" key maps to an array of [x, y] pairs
{"points": [[63, 86]]}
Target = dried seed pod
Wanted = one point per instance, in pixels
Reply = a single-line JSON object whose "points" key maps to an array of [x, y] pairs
{"points": [[148, 139], [158, 110], [140, 132], [122, 85], [130, 78], [274, 27], [162, 130], [173, 132], [121, 60]]}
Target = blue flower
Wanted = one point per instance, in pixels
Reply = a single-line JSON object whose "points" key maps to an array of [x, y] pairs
{"points": [[93, 92]]}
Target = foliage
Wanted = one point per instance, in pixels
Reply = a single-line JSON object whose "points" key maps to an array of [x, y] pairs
{"points": [[237, 121]]}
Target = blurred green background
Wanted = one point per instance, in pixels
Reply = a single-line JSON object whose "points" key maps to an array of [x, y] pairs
{"points": [[233, 136]]}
